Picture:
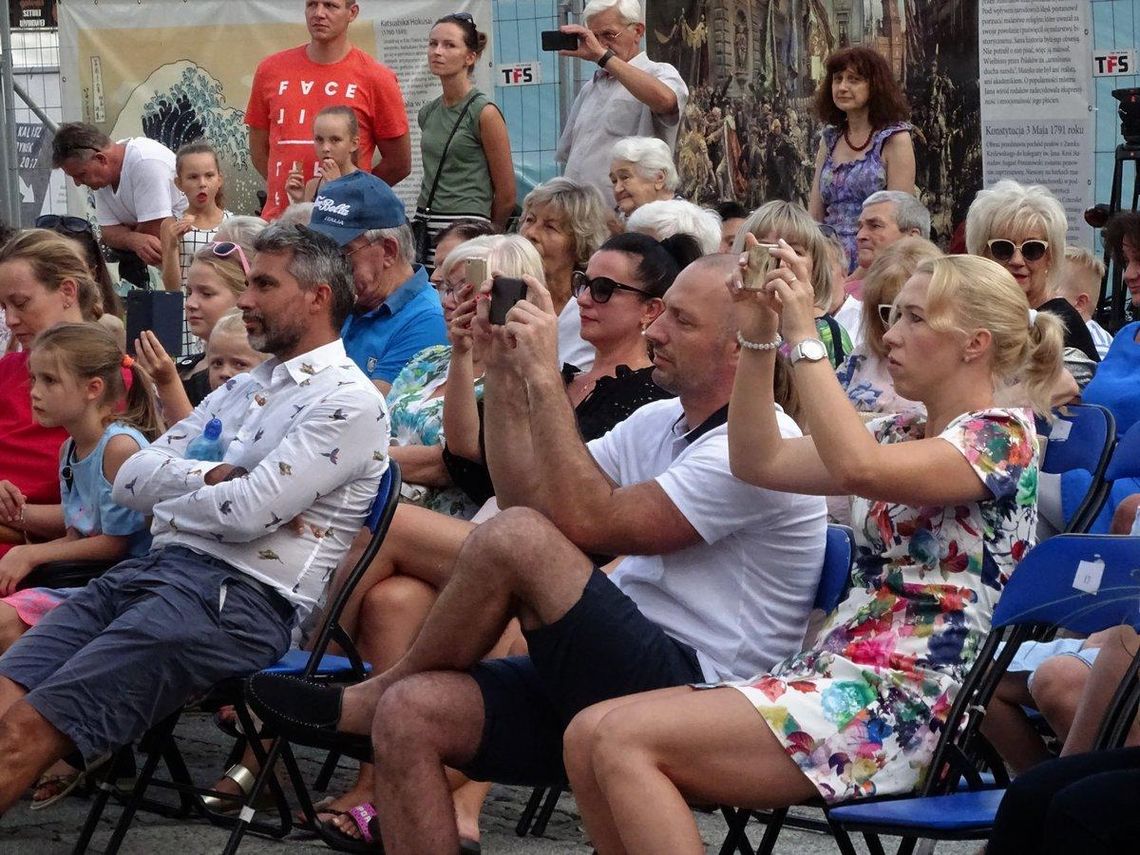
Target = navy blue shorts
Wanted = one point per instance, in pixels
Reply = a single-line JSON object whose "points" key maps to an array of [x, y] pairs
{"points": [[602, 648], [141, 640]]}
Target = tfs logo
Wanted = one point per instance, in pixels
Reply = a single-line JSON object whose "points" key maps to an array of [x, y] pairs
{"points": [[1119, 62], [520, 74]]}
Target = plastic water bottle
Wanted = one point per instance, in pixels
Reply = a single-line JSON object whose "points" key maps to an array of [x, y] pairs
{"points": [[208, 446]]}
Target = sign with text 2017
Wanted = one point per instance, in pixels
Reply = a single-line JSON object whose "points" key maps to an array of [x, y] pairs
{"points": [[520, 74], [1113, 63]]}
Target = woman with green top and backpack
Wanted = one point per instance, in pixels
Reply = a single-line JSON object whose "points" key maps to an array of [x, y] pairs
{"points": [[468, 171]]}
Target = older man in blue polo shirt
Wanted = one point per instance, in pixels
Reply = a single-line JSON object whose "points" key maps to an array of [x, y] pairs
{"points": [[397, 312]]}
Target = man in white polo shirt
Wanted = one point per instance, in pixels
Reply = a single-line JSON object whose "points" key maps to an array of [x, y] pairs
{"points": [[718, 584], [133, 182], [629, 94]]}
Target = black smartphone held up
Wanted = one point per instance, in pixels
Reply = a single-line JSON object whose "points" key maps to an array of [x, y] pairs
{"points": [[558, 40], [505, 292]]}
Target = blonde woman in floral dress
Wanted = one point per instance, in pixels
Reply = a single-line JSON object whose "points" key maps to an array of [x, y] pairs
{"points": [[947, 507]]}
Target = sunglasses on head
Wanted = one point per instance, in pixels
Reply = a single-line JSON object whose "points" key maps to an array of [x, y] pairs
{"points": [[1031, 250], [601, 288], [57, 223], [225, 249], [462, 17]]}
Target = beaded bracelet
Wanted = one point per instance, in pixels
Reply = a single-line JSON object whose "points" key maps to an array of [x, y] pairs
{"points": [[754, 345]]}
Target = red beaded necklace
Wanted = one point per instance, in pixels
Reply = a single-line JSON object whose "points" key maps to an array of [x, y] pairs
{"points": [[852, 145]]}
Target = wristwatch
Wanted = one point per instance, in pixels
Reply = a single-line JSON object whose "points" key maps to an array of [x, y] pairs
{"points": [[811, 349], [605, 57]]}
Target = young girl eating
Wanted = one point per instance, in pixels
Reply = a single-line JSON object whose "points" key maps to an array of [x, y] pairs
{"points": [[336, 137]]}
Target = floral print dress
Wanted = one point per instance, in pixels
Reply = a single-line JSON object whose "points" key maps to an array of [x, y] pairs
{"points": [[844, 186], [417, 419], [861, 712]]}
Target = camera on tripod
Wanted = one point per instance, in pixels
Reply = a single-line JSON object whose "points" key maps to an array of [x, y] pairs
{"points": [[1129, 115]]}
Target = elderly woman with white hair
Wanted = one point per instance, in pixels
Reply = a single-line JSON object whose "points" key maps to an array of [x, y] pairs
{"points": [[670, 217], [641, 172], [1022, 227]]}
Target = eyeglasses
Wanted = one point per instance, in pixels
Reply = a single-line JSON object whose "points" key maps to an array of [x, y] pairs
{"points": [[450, 289], [57, 223], [1031, 250], [887, 314], [601, 287], [610, 35], [827, 231], [462, 17], [225, 249]]}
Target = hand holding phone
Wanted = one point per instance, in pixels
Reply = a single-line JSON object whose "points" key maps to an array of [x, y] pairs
{"points": [[555, 40], [476, 271], [505, 292], [760, 261]]}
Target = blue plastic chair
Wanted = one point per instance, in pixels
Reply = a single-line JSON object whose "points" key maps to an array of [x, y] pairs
{"points": [[159, 742], [1121, 479], [834, 584], [1040, 597], [1081, 439]]}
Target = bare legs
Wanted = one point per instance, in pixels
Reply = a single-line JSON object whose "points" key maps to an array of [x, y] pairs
{"points": [[28, 744], [634, 761], [1118, 648], [11, 627]]}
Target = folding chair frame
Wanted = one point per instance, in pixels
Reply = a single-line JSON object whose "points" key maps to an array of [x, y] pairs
{"points": [[160, 745]]}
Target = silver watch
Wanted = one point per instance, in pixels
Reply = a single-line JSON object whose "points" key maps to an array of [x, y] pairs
{"points": [[811, 349]]}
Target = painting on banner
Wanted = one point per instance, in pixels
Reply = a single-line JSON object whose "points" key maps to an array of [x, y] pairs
{"points": [[179, 72], [749, 132]]}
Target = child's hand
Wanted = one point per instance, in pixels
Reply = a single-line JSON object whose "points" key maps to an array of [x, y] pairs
{"points": [[329, 170], [154, 359], [172, 230], [14, 566], [11, 502], [295, 186]]}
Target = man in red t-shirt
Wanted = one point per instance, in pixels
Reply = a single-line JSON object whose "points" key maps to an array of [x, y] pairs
{"points": [[291, 87]]}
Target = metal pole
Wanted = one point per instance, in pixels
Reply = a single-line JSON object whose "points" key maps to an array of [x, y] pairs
{"points": [[9, 163], [566, 65], [34, 107]]}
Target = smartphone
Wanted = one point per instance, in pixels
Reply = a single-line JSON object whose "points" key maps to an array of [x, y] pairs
{"points": [[558, 40], [505, 292], [760, 261], [476, 272]]}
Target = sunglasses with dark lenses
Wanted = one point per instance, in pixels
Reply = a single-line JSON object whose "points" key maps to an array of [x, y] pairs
{"points": [[887, 314], [226, 249], [57, 223], [601, 287], [1031, 250], [462, 17]]}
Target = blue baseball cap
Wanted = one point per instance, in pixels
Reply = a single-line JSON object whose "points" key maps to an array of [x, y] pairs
{"points": [[351, 205]]}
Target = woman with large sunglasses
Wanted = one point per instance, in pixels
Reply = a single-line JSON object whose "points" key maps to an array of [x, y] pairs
{"points": [[467, 166], [214, 282], [1022, 228]]}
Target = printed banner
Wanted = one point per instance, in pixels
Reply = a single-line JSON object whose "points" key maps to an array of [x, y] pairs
{"points": [[178, 72], [753, 66], [1037, 119]]}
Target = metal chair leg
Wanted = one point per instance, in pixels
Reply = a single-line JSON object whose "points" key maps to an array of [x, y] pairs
{"points": [[547, 811], [528, 812], [103, 791]]}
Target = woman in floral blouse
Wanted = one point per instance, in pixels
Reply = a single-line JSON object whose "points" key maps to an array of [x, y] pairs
{"points": [[947, 507]]}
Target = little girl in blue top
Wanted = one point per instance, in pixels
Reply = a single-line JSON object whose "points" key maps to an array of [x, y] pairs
{"points": [[79, 383]]}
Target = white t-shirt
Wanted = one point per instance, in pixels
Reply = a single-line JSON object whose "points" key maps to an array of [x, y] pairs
{"points": [[146, 187], [741, 598], [572, 348], [850, 316]]}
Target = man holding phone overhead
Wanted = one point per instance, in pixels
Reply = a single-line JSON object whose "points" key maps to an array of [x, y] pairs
{"points": [[629, 95]]}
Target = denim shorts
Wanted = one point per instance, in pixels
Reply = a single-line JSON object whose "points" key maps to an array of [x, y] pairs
{"points": [[138, 642], [1031, 654], [602, 648]]}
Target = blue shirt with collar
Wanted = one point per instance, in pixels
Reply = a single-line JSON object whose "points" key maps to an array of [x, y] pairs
{"points": [[383, 340]]}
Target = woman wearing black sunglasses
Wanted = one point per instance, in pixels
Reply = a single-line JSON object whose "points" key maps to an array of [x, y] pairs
{"points": [[1022, 228]]}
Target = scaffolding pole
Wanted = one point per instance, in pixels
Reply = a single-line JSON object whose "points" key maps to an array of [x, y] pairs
{"points": [[9, 163]]}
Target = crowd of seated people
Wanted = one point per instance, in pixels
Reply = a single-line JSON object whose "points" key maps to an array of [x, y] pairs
{"points": [[612, 518]]}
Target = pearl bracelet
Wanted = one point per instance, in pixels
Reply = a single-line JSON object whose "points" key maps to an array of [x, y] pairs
{"points": [[755, 345]]}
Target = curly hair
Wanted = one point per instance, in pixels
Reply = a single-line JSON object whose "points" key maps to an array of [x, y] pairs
{"points": [[887, 102]]}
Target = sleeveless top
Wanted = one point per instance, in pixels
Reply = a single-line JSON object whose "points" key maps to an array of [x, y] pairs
{"points": [[465, 185], [844, 186], [86, 494]]}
